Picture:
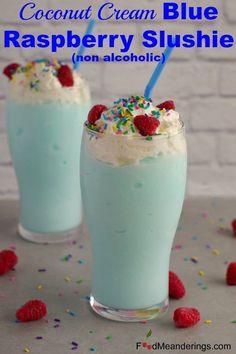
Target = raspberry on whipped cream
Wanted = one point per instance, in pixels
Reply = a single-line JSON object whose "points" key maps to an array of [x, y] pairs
{"points": [[133, 129], [120, 119], [45, 80]]}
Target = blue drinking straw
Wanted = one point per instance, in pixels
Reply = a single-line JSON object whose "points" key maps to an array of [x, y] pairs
{"points": [[157, 73], [81, 51]]}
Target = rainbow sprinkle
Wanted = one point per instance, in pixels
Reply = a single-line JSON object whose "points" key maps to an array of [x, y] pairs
{"points": [[119, 119], [29, 74]]}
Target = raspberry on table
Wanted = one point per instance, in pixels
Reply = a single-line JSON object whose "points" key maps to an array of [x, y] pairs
{"points": [[185, 317], [8, 260], [231, 274], [176, 286], [233, 223], [33, 310]]}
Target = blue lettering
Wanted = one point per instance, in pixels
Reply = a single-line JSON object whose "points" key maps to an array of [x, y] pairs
{"points": [[58, 41], [215, 39], [203, 40], [173, 11], [58, 15], [102, 9], [113, 39], [47, 16], [11, 37], [227, 41], [101, 40], [51, 14], [127, 42], [73, 40], [106, 58], [150, 37], [188, 40], [43, 41], [31, 5], [211, 13], [89, 41], [170, 11], [38, 15], [28, 41]]}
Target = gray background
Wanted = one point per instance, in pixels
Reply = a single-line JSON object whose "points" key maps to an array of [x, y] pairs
{"points": [[202, 82]]}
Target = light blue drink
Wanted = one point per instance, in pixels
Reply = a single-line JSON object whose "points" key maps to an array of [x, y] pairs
{"points": [[132, 213], [45, 141]]}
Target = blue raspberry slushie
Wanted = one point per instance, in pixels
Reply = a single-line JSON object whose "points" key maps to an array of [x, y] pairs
{"points": [[133, 177], [46, 107]]}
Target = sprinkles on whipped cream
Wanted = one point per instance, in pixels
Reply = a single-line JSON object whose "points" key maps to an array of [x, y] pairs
{"points": [[44, 80], [43, 66], [135, 116]]}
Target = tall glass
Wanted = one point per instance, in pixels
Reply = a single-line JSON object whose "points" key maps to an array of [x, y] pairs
{"points": [[45, 141], [132, 212]]}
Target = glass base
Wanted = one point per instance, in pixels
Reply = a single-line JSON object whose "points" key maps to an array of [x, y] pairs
{"points": [[129, 315], [57, 237]]}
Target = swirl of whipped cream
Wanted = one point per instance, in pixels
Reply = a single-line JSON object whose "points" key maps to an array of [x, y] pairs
{"points": [[115, 139], [38, 82]]}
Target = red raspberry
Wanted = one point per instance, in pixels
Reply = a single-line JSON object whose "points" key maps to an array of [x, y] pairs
{"points": [[8, 260], [96, 112], [31, 311], [10, 70], [65, 76], [147, 126], [167, 105], [231, 274], [186, 317], [234, 226], [176, 287]]}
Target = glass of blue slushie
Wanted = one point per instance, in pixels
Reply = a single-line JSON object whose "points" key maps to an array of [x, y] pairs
{"points": [[133, 177], [46, 107]]}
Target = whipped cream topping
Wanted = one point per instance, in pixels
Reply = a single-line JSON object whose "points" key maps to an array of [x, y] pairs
{"points": [[119, 119], [115, 139], [38, 82]]}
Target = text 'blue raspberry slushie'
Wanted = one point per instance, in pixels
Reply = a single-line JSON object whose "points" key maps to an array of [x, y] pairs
{"points": [[46, 107], [133, 177]]}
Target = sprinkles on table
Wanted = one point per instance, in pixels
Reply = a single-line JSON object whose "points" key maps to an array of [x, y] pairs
{"points": [[67, 279], [39, 287], [66, 258], [81, 261], [215, 252], [75, 345]]}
